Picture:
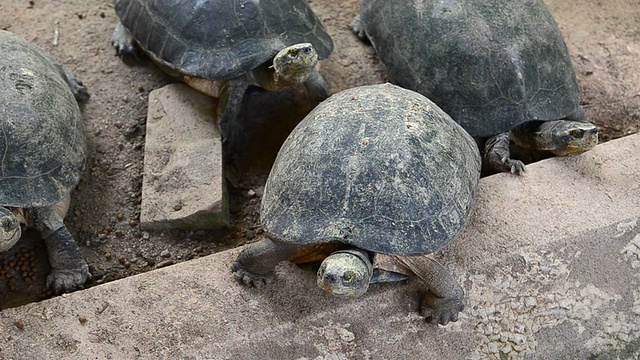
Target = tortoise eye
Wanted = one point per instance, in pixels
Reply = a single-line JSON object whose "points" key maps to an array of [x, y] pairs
{"points": [[577, 133], [7, 224], [348, 277]]}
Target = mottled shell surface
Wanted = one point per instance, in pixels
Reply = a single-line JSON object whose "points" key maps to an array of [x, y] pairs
{"points": [[220, 39], [42, 144], [490, 64], [378, 167]]}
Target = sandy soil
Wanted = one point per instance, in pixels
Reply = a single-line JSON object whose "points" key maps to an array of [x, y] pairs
{"points": [[603, 37]]}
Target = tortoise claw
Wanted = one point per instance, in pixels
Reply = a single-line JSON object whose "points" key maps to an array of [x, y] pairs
{"points": [[250, 279], [440, 311], [515, 166]]}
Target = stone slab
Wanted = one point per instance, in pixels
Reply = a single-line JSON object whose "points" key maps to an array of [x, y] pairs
{"points": [[549, 263], [183, 184]]}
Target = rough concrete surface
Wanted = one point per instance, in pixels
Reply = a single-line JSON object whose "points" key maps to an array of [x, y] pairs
{"points": [[182, 184], [549, 264], [603, 39]]}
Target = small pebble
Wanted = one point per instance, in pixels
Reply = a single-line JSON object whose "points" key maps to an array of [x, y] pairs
{"points": [[82, 319], [164, 263], [120, 216], [165, 254]]}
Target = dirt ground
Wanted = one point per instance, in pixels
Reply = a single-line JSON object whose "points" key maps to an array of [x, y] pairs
{"points": [[603, 38]]}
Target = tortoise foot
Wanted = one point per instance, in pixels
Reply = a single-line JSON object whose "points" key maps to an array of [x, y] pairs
{"points": [[515, 166], [358, 28], [123, 41], [440, 311], [250, 279], [67, 280], [77, 87]]}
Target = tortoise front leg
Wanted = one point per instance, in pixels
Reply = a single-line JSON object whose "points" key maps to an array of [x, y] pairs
{"points": [[498, 156], [255, 264], [230, 103], [124, 43], [443, 300], [317, 87], [69, 271]]}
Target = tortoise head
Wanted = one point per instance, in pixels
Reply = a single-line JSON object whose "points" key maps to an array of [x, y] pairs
{"points": [[10, 231], [561, 137], [345, 273], [296, 63], [573, 137]]}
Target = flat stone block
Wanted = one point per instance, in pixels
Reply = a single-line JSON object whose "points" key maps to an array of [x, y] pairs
{"points": [[183, 184]]}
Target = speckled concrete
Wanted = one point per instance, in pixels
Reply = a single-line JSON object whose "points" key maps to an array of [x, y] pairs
{"points": [[549, 264]]}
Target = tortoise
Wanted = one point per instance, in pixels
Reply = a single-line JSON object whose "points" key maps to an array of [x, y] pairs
{"points": [[43, 154], [501, 69], [220, 47], [371, 180]]}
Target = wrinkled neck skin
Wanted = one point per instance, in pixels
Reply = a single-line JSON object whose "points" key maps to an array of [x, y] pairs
{"points": [[560, 137]]}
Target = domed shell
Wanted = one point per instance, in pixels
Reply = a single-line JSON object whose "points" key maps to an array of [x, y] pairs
{"points": [[491, 65], [42, 144], [220, 39], [378, 167]]}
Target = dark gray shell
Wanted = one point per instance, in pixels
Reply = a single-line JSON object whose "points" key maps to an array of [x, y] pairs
{"points": [[220, 39], [378, 167], [42, 140], [490, 64]]}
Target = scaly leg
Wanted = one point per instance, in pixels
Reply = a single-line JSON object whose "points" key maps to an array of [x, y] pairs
{"points": [[255, 264], [231, 96], [69, 271], [443, 300], [498, 156], [123, 41], [317, 87]]}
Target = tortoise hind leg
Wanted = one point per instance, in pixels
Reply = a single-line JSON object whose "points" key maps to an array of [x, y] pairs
{"points": [[498, 156], [77, 87], [255, 264], [443, 300]]}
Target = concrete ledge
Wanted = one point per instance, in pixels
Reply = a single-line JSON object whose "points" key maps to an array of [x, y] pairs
{"points": [[549, 264]]}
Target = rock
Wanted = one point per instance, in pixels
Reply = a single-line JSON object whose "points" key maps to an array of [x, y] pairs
{"points": [[183, 184]]}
